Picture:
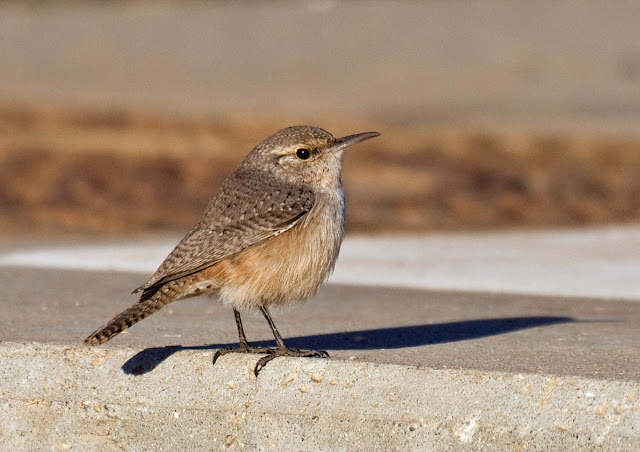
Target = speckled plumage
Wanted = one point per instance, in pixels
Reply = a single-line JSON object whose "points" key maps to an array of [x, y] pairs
{"points": [[249, 208], [270, 235]]}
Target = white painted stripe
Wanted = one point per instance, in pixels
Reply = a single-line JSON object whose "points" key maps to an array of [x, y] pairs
{"points": [[594, 263], [139, 258]]}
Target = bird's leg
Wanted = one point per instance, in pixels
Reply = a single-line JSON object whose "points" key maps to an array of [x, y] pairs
{"points": [[282, 349], [241, 335], [274, 330], [244, 346]]}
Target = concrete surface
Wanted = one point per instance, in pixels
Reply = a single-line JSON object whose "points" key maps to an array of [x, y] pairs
{"points": [[509, 333], [412, 369], [400, 61], [76, 398]]}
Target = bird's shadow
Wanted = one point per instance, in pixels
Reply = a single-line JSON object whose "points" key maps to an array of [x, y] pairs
{"points": [[389, 338]]}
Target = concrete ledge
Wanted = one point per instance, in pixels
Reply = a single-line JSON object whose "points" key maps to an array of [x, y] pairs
{"points": [[79, 398]]}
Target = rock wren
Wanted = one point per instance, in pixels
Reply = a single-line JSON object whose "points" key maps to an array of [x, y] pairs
{"points": [[269, 237]]}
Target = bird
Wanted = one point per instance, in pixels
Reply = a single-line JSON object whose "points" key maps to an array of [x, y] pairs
{"points": [[269, 237]]}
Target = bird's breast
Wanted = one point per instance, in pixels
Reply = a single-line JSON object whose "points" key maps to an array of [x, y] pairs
{"points": [[289, 267]]}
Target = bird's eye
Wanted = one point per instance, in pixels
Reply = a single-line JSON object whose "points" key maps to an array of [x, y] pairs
{"points": [[303, 154]]}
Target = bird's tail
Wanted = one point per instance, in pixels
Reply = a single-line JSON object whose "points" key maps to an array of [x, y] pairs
{"points": [[166, 294]]}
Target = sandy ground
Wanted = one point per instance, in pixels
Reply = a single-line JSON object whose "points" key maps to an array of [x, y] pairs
{"points": [[121, 171]]}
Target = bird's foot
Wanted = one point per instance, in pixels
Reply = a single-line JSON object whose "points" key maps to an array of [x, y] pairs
{"points": [[276, 352], [271, 353], [243, 348]]}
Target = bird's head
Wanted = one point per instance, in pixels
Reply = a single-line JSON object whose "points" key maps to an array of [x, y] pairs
{"points": [[304, 154]]}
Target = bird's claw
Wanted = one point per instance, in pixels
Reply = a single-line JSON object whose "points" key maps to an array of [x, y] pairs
{"points": [[241, 349], [276, 352], [271, 353]]}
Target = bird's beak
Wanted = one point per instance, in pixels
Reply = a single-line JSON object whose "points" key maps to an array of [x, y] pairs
{"points": [[345, 142]]}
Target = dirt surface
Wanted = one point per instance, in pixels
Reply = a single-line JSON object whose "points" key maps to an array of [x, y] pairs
{"points": [[492, 114], [120, 171]]}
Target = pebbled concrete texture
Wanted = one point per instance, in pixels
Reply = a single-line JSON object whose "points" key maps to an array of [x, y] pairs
{"points": [[79, 398]]}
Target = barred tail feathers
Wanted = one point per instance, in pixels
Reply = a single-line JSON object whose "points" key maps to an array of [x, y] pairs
{"points": [[137, 312]]}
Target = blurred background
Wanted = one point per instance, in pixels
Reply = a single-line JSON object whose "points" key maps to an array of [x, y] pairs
{"points": [[126, 116]]}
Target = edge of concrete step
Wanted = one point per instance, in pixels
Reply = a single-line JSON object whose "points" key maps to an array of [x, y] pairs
{"points": [[80, 398]]}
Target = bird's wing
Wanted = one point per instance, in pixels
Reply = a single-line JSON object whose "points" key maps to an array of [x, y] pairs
{"points": [[244, 212]]}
